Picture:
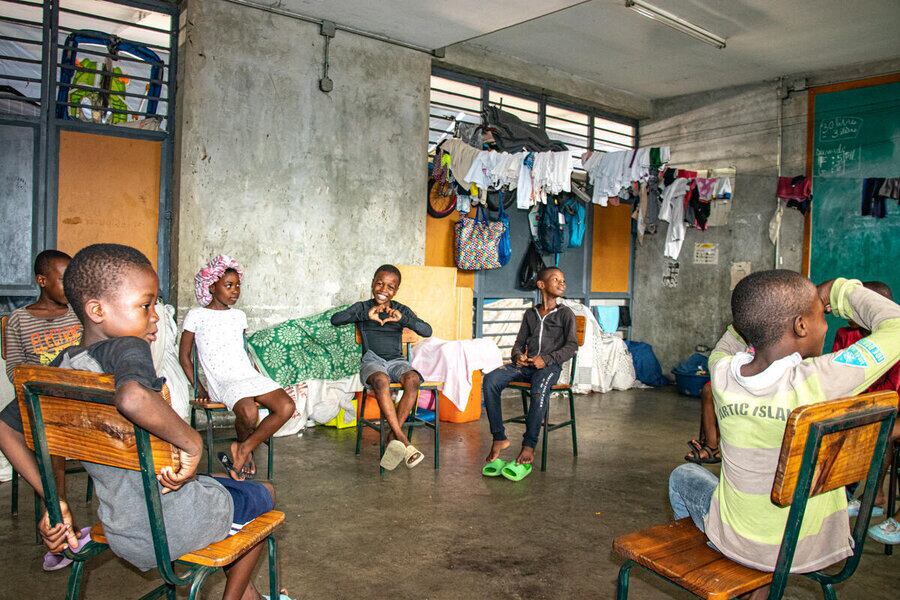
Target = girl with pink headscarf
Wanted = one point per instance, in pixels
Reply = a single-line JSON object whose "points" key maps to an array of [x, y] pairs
{"points": [[218, 330]]}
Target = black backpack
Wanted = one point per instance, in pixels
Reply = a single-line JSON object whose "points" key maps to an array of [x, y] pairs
{"points": [[552, 238], [530, 268]]}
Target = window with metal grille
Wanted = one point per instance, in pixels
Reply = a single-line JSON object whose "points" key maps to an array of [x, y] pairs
{"points": [[452, 102], [571, 127], [460, 98]]}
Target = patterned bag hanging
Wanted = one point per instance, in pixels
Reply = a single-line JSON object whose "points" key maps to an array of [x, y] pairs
{"points": [[477, 242]]}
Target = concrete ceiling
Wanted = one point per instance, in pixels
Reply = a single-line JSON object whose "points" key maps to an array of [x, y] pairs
{"points": [[426, 23], [605, 42], [612, 45]]}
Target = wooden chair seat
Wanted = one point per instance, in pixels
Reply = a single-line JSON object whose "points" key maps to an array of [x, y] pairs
{"points": [[208, 405], [527, 386], [426, 385], [224, 552], [679, 552]]}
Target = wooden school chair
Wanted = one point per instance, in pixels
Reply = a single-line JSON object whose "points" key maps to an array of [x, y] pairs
{"points": [[14, 489], [525, 390], [413, 421], [73, 413], [210, 410], [826, 446]]}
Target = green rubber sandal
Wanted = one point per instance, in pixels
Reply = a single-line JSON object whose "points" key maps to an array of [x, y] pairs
{"points": [[515, 471], [493, 468]]}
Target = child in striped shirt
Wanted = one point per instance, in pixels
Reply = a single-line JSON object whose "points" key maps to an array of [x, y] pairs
{"points": [[782, 315]]}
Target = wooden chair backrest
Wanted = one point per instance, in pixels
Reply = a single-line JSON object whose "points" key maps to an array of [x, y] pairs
{"points": [[4, 321], [580, 325], [844, 455], [409, 336], [81, 420]]}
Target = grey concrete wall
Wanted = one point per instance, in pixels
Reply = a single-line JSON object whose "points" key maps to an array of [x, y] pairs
{"points": [[737, 128], [730, 128], [309, 191]]}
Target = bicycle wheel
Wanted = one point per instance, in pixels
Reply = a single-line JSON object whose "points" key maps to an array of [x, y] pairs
{"points": [[440, 205], [493, 200]]}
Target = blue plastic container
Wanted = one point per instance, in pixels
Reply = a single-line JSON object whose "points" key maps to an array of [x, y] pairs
{"points": [[690, 384]]}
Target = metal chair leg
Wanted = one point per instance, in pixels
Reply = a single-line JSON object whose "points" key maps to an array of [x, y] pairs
{"points": [[199, 577], [572, 417], [37, 517], [270, 469], [89, 495], [380, 443], [437, 429], [828, 591], [73, 589], [274, 592], [622, 584], [14, 500], [359, 420], [209, 442], [546, 432]]}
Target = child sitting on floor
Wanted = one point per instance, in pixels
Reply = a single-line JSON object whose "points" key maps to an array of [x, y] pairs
{"points": [[218, 330], [782, 315], [36, 334], [887, 532], [112, 289], [381, 321], [546, 340]]}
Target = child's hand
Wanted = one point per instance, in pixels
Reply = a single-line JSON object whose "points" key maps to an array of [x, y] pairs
{"points": [[824, 291], [538, 363], [59, 536], [522, 360], [393, 316], [172, 480], [375, 314], [202, 394]]}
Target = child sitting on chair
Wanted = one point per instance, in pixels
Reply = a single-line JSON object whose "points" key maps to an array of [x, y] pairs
{"points": [[887, 532], [546, 340], [112, 289], [381, 321], [35, 335], [782, 315], [218, 330]]}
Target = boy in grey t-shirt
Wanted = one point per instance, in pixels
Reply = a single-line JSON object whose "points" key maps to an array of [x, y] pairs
{"points": [[112, 289]]}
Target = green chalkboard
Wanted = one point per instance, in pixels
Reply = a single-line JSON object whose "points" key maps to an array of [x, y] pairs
{"points": [[856, 135]]}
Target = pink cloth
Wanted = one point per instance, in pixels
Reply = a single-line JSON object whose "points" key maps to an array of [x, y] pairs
{"points": [[211, 273], [453, 362], [706, 188]]}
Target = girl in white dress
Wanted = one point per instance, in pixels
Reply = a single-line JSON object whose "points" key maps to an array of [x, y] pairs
{"points": [[218, 330]]}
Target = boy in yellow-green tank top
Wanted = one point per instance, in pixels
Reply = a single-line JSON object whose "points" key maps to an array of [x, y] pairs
{"points": [[781, 314]]}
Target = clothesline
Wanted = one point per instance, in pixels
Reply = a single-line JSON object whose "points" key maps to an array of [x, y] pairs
{"points": [[533, 175]]}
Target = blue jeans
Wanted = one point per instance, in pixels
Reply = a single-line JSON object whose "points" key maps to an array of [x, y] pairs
{"points": [[542, 382], [690, 491]]}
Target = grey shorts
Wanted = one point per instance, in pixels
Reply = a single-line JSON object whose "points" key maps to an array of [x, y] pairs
{"points": [[371, 363]]}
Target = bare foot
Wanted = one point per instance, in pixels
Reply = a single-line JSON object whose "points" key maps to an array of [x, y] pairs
{"points": [[496, 448], [526, 456], [760, 594]]}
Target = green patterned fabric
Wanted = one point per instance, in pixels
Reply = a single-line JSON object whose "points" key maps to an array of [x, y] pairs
{"points": [[306, 348]]}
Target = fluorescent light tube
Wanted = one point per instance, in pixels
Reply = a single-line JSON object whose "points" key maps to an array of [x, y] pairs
{"points": [[666, 18]]}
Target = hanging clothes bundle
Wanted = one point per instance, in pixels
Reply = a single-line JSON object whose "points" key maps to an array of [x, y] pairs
{"points": [[875, 193]]}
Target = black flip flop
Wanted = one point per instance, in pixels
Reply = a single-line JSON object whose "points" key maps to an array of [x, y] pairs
{"points": [[713, 455], [225, 460]]}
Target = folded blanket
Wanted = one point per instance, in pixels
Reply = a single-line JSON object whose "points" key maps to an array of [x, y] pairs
{"points": [[453, 363], [306, 348]]}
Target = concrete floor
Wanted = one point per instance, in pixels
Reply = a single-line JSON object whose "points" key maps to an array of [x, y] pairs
{"points": [[453, 534]]}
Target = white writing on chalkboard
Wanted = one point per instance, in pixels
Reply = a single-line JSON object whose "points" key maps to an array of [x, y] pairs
{"points": [[839, 128], [837, 160]]}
